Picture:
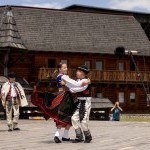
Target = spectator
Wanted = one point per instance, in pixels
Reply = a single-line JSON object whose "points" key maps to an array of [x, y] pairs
{"points": [[116, 112]]}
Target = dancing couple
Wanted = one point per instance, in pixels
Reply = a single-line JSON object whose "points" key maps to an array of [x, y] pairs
{"points": [[71, 106]]}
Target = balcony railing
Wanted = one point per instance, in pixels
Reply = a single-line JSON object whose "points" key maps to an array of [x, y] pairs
{"points": [[132, 76]]}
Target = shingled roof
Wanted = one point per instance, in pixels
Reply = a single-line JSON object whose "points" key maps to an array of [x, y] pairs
{"points": [[94, 9], [101, 103], [9, 35], [66, 31]]}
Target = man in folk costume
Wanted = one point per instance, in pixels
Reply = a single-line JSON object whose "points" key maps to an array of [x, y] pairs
{"points": [[82, 112], [13, 96]]}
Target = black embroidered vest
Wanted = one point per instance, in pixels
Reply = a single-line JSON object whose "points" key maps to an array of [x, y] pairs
{"points": [[85, 93]]}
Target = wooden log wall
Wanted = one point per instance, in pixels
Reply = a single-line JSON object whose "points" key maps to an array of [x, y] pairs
{"points": [[28, 67], [111, 92], [33, 61]]}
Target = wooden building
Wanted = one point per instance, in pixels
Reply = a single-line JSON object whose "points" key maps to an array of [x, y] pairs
{"points": [[83, 35]]}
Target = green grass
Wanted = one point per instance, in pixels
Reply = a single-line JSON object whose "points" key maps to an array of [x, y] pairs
{"points": [[135, 118]]}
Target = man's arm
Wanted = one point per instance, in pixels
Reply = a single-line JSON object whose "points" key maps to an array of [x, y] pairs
{"points": [[3, 95], [78, 89], [3, 88], [70, 83]]}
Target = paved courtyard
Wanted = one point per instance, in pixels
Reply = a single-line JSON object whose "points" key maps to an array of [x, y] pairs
{"points": [[38, 135]]}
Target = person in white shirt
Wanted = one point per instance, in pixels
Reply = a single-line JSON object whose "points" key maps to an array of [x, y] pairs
{"points": [[82, 112], [13, 96]]}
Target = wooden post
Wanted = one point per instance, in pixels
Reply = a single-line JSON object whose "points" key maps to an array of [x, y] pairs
{"points": [[6, 59]]}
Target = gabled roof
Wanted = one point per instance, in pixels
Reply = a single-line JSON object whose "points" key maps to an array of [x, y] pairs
{"points": [[94, 9], [67, 31], [9, 34]]}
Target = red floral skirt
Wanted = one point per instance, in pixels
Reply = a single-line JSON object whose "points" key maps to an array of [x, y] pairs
{"points": [[58, 107]]}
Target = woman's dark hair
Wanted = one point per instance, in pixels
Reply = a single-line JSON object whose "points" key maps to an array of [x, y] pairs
{"points": [[57, 70], [60, 65]]}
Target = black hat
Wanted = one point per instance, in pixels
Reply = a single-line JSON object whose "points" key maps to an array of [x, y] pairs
{"points": [[84, 68], [12, 75]]}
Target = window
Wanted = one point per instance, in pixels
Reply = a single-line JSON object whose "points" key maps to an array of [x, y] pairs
{"points": [[51, 63], [132, 66], [148, 99], [87, 63], [99, 65], [132, 97], [121, 97], [65, 61], [99, 95], [148, 95], [121, 66]]}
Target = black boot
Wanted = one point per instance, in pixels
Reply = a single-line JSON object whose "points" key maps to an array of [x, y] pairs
{"points": [[88, 137], [65, 139], [79, 136], [15, 127], [57, 140], [10, 128]]}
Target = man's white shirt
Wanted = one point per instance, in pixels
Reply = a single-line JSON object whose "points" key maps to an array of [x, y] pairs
{"points": [[74, 86], [13, 90]]}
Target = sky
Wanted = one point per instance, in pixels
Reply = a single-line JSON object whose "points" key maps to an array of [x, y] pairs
{"points": [[131, 5]]}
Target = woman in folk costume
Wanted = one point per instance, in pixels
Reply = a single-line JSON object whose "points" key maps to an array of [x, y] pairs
{"points": [[82, 112], [59, 107], [62, 69], [13, 96]]}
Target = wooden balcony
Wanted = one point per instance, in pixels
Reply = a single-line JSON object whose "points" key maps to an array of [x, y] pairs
{"points": [[101, 76]]}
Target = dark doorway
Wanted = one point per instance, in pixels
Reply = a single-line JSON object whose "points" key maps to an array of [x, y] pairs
{"points": [[132, 66], [51, 63]]}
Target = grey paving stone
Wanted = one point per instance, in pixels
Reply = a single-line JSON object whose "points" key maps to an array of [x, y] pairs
{"points": [[38, 135]]}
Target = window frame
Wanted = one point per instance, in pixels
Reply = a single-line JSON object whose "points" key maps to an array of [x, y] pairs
{"points": [[132, 102], [102, 65], [121, 92], [89, 65], [64, 60], [121, 69]]}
